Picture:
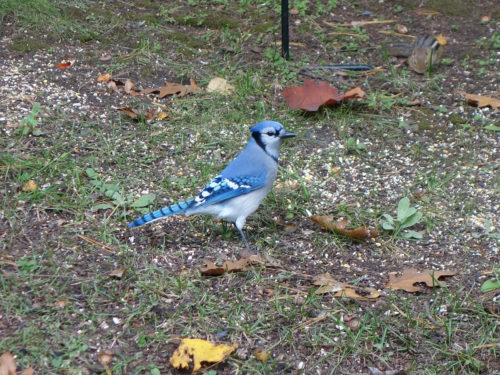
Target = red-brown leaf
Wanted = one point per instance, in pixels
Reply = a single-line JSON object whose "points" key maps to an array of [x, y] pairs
{"points": [[312, 95]]}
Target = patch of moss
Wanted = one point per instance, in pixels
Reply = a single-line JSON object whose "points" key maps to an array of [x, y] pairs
{"points": [[456, 119], [27, 45], [304, 28], [452, 7], [184, 38], [207, 18], [262, 27]]}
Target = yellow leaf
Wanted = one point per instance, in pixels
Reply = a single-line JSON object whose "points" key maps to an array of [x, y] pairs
{"points": [[200, 351], [161, 115], [29, 186], [441, 39]]}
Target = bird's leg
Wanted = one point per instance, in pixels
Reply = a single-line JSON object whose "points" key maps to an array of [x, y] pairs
{"points": [[243, 237]]}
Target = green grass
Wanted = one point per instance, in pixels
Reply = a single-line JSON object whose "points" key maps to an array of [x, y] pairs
{"points": [[59, 304]]}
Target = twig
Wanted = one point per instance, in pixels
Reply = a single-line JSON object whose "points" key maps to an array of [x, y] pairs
{"points": [[98, 244]]}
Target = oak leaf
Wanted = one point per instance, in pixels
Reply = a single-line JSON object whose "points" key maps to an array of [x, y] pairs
{"points": [[201, 351], [7, 364], [171, 88], [480, 101], [339, 227], [312, 95], [329, 285], [412, 276]]}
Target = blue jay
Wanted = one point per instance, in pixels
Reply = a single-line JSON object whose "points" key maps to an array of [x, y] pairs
{"points": [[238, 190]]}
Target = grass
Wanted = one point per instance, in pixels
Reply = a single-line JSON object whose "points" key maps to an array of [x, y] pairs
{"points": [[60, 304]]}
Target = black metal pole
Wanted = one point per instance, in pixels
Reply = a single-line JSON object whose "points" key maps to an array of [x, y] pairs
{"points": [[285, 36]]}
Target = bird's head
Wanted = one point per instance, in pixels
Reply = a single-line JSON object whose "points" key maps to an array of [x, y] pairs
{"points": [[269, 135]]}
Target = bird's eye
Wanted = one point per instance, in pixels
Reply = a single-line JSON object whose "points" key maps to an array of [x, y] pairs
{"points": [[270, 133]]}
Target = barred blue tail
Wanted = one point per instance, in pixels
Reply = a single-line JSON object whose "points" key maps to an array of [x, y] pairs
{"points": [[177, 208]]}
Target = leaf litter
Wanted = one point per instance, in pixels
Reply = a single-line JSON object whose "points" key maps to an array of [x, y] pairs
{"points": [[411, 276], [312, 95], [199, 351], [339, 227]]}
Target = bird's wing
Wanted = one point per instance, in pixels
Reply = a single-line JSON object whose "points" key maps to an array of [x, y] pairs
{"points": [[222, 188]]}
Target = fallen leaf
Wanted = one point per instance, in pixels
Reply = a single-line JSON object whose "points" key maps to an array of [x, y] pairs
{"points": [[65, 64], [61, 304], [29, 186], [312, 95], [105, 357], [486, 18], [200, 351], [220, 85], [104, 77], [117, 273], [329, 285], [415, 102], [328, 223], [28, 371], [113, 86], [480, 101], [441, 39], [134, 113], [105, 57], [162, 115], [129, 85], [7, 364], [402, 29], [412, 276], [211, 269], [261, 354], [171, 88]]}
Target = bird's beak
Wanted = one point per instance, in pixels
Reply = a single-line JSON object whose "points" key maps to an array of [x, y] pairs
{"points": [[288, 135]]}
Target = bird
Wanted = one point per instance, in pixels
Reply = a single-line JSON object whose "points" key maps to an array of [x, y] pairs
{"points": [[238, 190]]}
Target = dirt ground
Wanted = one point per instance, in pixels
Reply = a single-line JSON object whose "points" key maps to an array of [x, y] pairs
{"points": [[438, 153]]}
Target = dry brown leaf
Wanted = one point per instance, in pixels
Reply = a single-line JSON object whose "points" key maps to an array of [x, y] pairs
{"points": [[113, 86], [61, 304], [105, 357], [105, 57], [261, 354], [241, 265], [486, 18], [402, 29], [329, 285], [328, 223], [117, 273], [129, 85], [199, 351], [134, 113], [412, 276], [480, 101], [312, 95], [28, 371], [7, 364], [104, 77], [171, 88], [220, 85]]}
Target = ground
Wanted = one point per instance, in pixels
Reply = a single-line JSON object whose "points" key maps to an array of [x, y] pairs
{"points": [[76, 282]]}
